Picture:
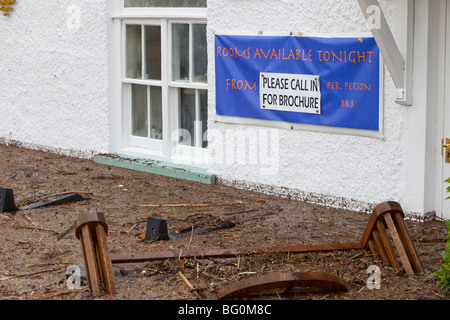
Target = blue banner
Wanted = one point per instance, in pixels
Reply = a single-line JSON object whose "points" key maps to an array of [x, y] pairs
{"points": [[321, 81]]}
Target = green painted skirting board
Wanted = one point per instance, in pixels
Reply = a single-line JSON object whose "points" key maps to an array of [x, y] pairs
{"points": [[157, 167]]}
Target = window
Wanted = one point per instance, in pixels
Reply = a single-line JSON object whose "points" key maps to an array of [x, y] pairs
{"points": [[164, 80], [189, 75]]}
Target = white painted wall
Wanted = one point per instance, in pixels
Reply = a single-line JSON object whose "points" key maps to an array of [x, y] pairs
{"points": [[54, 76], [335, 170], [56, 87]]}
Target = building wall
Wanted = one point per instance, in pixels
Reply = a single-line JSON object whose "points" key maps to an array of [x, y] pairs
{"points": [[336, 170], [54, 76], [56, 95]]}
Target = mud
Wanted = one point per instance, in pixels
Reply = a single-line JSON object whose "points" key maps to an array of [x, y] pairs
{"points": [[38, 246]]}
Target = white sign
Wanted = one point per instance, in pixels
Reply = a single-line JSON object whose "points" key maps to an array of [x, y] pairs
{"points": [[290, 92]]}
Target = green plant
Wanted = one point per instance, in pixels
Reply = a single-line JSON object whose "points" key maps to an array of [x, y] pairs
{"points": [[444, 272], [448, 188]]}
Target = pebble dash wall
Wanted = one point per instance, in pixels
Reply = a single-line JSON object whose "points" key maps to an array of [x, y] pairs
{"points": [[54, 76], [54, 96]]}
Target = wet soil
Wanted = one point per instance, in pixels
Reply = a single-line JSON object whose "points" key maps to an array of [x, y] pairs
{"points": [[38, 246]]}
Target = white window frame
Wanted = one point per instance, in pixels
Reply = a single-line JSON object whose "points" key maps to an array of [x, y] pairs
{"points": [[122, 140], [147, 12], [135, 141], [180, 150]]}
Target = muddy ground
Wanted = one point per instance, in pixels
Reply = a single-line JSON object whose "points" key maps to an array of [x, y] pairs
{"points": [[38, 246]]}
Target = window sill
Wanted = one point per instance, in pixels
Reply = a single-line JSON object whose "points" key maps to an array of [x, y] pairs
{"points": [[156, 165]]}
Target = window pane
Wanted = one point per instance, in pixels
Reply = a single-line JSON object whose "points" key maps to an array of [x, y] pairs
{"points": [[180, 52], [200, 53], [156, 113], [187, 115], [134, 52], [153, 52], [165, 3], [203, 94], [139, 110]]}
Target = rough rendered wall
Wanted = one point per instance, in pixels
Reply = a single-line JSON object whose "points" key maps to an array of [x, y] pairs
{"points": [[54, 76], [336, 170]]}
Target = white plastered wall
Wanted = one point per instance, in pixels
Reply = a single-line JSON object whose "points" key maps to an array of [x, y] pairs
{"points": [[54, 76], [56, 95], [342, 171]]}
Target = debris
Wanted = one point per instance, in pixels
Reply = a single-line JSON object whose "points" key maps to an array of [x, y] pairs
{"points": [[338, 264], [91, 229], [63, 193], [191, 287], [54, 200], [64, 233], [7, 203], [39, 228], [54, 295], [390, 216], [196, 228], [241, 212], [230, 253], [129, 268], [156, 230], [299, 282], [28, 274], [189, 205], [36, 226], [375, 237]]}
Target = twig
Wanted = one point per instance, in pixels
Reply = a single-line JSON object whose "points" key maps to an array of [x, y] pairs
{"points": [[37, 226], [241, 212], [348, 261], [29, 274], [186, 281], [192, 235], [189, 205], [258, 217], [54, 295], [193, 289], [134, 226], [64, 233], [247, 272]]}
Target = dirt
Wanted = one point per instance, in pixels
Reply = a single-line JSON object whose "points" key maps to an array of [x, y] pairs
{"points": [[38, 246]]}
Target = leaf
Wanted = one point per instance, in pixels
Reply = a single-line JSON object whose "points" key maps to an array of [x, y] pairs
{"points": [[444, 272], [446, 256], [439, 273], [446, 284]]}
